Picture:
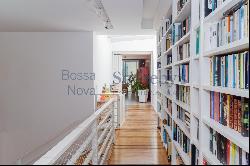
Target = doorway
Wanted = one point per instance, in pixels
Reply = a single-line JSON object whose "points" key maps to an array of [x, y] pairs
{"points": [[136, 70]]}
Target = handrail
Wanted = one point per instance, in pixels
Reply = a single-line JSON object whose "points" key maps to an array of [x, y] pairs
{"points": [[60, 148]]}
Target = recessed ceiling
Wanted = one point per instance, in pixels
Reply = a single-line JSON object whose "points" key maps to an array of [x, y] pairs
{"points": [[75, 15]]}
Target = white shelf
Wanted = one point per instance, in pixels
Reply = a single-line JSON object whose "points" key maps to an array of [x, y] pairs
{"points": [[169, 97], [159, 115], [168, 66], [196, 57], [196, 26], [182, 105], [184, 61], [186, 159], [182, 84], [195, 114], [169, 30], [217, 14], [168, 113], [183, 40], [229, 48], [196, 86], [196, 143], [184, 13], [229, 91], [212, 159], [168, 51], [234, 136], [168, 131]]}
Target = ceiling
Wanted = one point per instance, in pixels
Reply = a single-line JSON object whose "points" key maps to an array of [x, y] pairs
{"points": [[129, 17]]}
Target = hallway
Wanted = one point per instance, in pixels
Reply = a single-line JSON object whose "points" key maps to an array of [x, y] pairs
{"points": [[138, 141]]}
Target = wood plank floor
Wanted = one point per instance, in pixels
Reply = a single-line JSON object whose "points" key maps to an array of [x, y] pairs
{"points": [[138, 141]]}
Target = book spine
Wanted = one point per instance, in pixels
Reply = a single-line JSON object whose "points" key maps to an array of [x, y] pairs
{"points": [[235, 112], [231, 115]]}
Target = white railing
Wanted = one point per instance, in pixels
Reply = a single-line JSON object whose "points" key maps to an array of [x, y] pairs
{"points": [[91, 141]]}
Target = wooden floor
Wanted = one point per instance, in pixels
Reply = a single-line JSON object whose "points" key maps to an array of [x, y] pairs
{"points": [[138, 141]]}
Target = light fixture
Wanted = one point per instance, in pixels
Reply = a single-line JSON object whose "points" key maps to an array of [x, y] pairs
{"points": [[98, 8]]}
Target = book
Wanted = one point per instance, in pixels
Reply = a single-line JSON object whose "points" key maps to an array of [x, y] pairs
{"points": [[197, 42], [245, 117]]}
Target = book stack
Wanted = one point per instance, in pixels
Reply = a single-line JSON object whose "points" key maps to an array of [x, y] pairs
{"points": [[182, 139], [169, 74], [194, 155], [231, 28], [184, 73], [169, 106], [169, 59], [180, 5], [230, 111], [183, 52], [181, 29], [183, 94], [226, 151], [230, 71], [183, 116], [211, 5]]}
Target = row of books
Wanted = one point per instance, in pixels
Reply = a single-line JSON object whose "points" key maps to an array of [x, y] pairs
{"points": [[211, 5], [180, 137], [169, 22], [180, 5], [169, 106], [194, 155], [183, 115], [230, 71], [169, 121], [231, 28], [167, 141], [158, 65], [168, 42], [169, 59], [183, 51], [184, 73], [230, 111], [226, 151], [169, 75], [183, 94], [181, 29]]}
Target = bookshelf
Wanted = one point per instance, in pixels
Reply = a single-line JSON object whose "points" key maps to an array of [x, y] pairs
{"points": [[198, 61]]}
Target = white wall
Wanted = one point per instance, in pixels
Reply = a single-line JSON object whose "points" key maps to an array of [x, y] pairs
{"points": [[102, 62], [144, 45], [33, 98]]}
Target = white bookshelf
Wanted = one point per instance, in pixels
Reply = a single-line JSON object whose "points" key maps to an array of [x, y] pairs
{"points": [[199, 69]]}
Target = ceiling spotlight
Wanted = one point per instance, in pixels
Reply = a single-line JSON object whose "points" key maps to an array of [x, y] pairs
{"points": [[99, 10]]}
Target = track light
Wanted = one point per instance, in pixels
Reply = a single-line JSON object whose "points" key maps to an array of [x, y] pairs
{"points": [[99, 10]]}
